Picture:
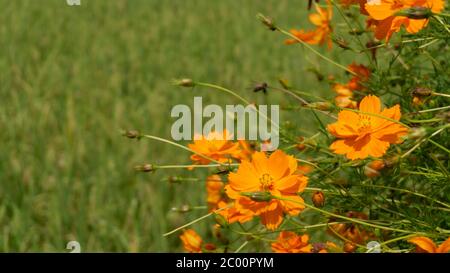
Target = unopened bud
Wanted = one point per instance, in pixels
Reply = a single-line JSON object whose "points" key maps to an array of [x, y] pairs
{"points": [[183, 208], [174, 179], [321, 105], [132, 134], [268, 22], [341, 43], [416, 13], [184, 82], [258, 196], [421, 92], [145, 168], [318, 199], [210, 247]]}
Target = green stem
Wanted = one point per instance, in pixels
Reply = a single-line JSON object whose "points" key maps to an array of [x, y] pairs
{"points": [[183, 147]]}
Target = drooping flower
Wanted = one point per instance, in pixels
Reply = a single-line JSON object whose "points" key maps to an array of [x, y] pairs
{"points": [[368, 133], [391, 15], [344, 92], [257, 181], [214, 191], [425, 244], [362, 75], [192, 242], [290, 242], [321, 34], [215, 145]]}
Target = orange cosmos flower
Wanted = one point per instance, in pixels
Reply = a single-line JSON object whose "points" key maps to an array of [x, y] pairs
{"points": [[216, 146], [322, 33], [255, 182], [392, 14], [362, 135], [192, 242], [290, 242], [426, 245]]}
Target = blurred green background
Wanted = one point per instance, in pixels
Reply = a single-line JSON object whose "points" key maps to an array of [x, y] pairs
{"points": [[71, 77]]}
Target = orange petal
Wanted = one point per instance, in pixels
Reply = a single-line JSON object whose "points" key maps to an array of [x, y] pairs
{"points": [[415, 26], [272, 219], [370, 104], [295, 206], [278, 164], [379, 11], [424, 243], [444, 247]]}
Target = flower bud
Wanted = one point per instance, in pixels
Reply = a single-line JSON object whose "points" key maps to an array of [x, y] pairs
{"points": [[258, 196], [421, 92], [145, 168], [321, 105], [341, 43], [184, 82], [132, 134], [268, 22], [183, 208], [416, 13], [318, 199], [210, 247]]}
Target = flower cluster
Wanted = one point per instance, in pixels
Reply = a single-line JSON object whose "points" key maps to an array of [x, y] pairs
{"points": [[375, 168]]}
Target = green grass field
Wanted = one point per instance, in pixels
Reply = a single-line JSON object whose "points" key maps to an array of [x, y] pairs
{"points": [[72, 77]]}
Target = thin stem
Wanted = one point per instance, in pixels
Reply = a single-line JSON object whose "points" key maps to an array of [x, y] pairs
{"points": [[375, 115], [220, 88], [441, 94], [422, 141], [315, 51], [194, 221], [194, 166], [434, 109], [183, 147]]}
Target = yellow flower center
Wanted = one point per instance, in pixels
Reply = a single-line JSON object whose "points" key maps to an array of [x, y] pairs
{"points": [[266, 182], [365, 123]]}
